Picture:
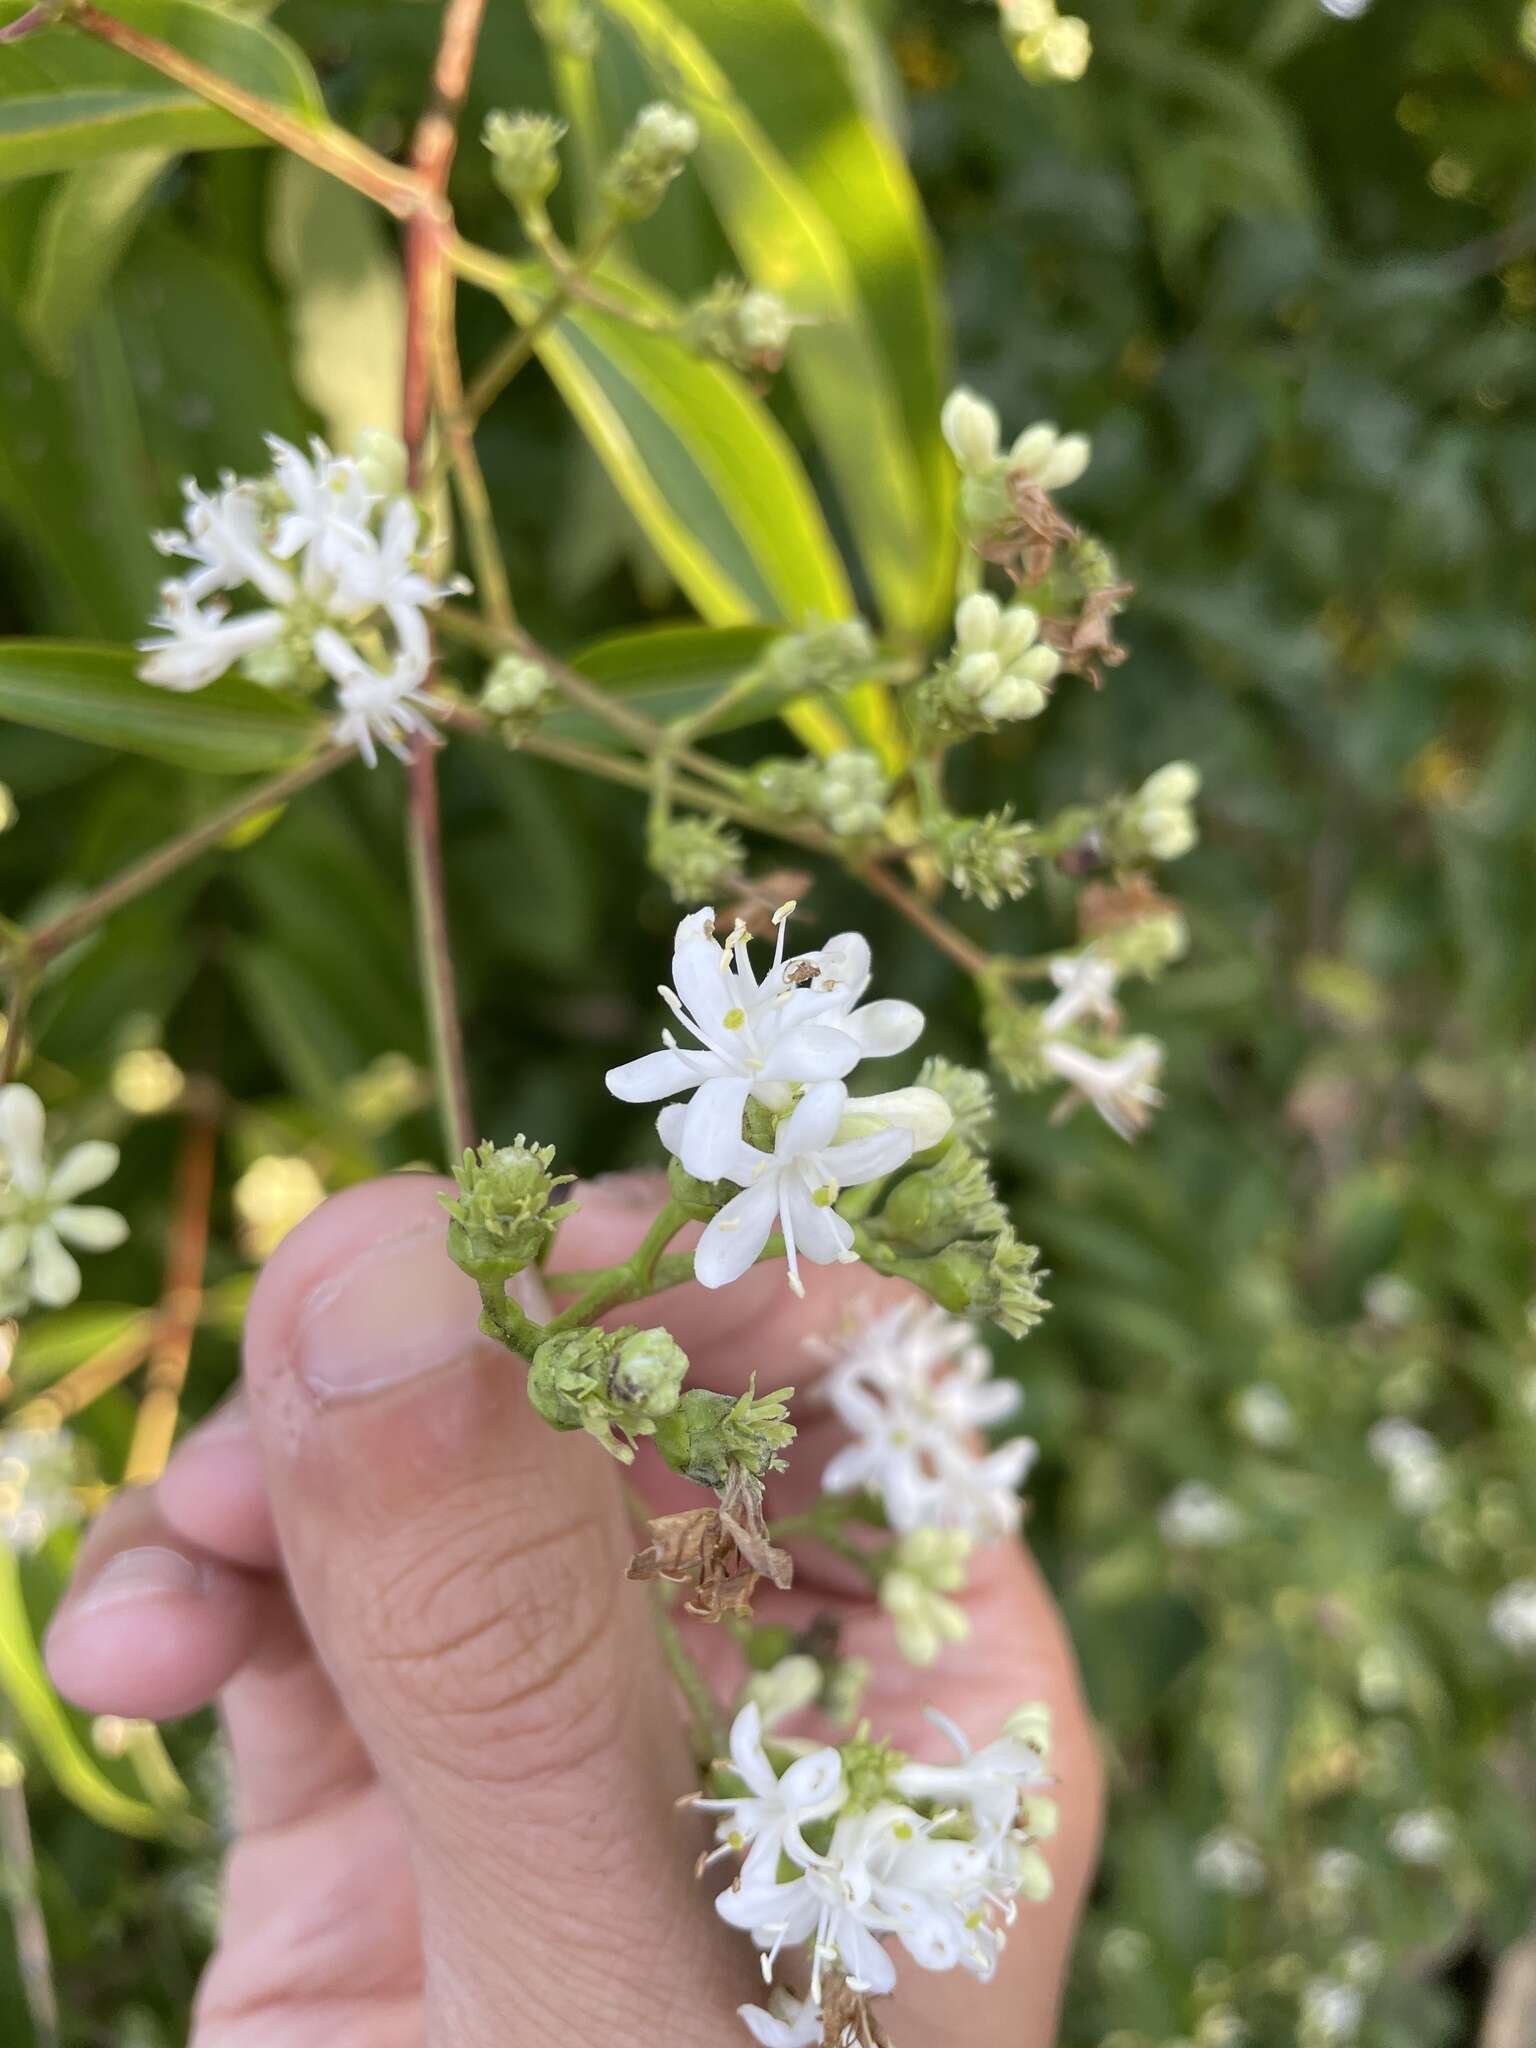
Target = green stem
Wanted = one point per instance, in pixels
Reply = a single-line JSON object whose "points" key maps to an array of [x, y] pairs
{"points": [[711, 1736], [22, 992], [515, 353], [317, 142], [502, 1318], [434, 954], [19, 1862], [631, 1280]]}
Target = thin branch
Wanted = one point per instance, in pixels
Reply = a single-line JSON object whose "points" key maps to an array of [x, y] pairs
{"points": [[429, 306], [146, 874], [953, 944], [22, 991], [181, 1305], [88, 1382], [326, 147]]}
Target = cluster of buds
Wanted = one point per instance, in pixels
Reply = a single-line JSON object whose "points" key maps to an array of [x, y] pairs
{"points": [[694, 855], [660, 140], [832, 657], [988, 857], [617, 1385], [1000, 671], [741, 324], [1050, 48], [1007, 510], [504, 1218], [525, 156], [516, 693], [847, 791], [1158, 821]]}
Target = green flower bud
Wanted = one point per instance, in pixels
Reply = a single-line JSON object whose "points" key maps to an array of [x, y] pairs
{"points": [[701, 1198], [660, 141], [516, 692], [996, 1279], [988, 858], [694, 856], [786, 788], [1014, 1039], [617, 1385], [1146, 945], [852, 793], [968, 1093], [525, 155], [953, 1198], [707, 1435], [746, 328], [567, 26], [833, 657], [380, 457], [927, 1565], [502, 1219]]}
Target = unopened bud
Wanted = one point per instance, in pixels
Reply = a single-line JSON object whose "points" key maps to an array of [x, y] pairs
{"points": [[525, 155], [616, 1385], [953, 1198], [745, 327], [792, 1684], [8, 811], [852, 791], [660, 141], [516, 691], [988, 858], [695, 856], [832, 657], [922, 1111], [972, 429], [968, 1093], [927, 1565], [707, 1435], [503, 1220], [380, 458]]}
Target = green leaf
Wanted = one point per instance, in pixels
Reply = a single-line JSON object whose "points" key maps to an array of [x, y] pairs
{"points": [[88, 223], [92, 693], [701, 463], [820, 207], [66, 99], [38, 1708], [668, 672]]}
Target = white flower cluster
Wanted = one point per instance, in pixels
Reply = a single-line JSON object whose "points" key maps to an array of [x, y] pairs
{"points": [[1424, 1837], [1040, 455], [1512, 1616], [37, 1492], [880, 1846], [334, 554], [785, 1044], [1415, 1466], [1161, 814], [915, 1389], [1121, 1086], [40, 1211]]}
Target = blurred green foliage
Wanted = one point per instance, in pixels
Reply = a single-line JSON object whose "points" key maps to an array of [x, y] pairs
{"points": [[1282, 266]]}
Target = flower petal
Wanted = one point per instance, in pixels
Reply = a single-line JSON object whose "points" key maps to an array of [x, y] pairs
{"points": [[748, 1756], [703, 982], [93, 1229], [813, 1122], [862, 1159], [82, 1167], [880, 1029], [712, 1146], [652, 1078], [22, 1128], [821, 1235], [733, 1239], [55, 1276], [812, 1052]]}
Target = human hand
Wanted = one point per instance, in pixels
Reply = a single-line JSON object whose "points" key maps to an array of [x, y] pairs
{"points": [[456, 1747]]}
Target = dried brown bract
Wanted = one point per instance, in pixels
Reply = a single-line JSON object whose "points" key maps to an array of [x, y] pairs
{"points": [[1026, 546], [1087, 644], [720, 1556], [847, 2018], [758, 897], [1109, 907]]}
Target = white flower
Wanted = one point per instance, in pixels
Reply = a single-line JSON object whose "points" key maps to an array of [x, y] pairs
{"points": [[1226, 1861], [999, 665], [390, 710], [1086, 988], [915, 1388], [990, 1783], [793, 1187], [1123, 1089], [1425, 1837], [1416, 1470], [1196, 1517], [1512, 1616], [804, 1022], [1266, 1417], [766, 1820], [1331, 2011], [39, 1213], [340, 570], [37, 1491], [786, 2022]]}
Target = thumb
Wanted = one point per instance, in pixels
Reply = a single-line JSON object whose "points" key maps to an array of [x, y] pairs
{"points": [[459, 1567]]}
